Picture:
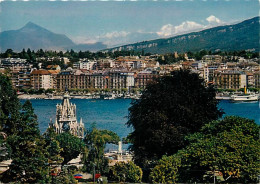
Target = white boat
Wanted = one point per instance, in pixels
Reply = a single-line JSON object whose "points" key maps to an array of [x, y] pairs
{"points": [[244, 98]]}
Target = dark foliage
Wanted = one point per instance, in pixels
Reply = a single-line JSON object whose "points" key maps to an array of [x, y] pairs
{"points": [[9, 106], [169, 109]]}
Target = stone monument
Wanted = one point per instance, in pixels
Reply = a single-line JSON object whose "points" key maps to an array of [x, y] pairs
{"points": [[66, 120]]}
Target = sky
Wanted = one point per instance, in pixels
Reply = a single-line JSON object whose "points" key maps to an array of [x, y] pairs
{"points": [[121, 22]]}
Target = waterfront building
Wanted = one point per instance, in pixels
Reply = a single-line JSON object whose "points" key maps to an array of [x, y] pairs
{"points": [[54, 74], [257, 79], [66, 119], [144, 77], [230, 79], [65, 80], [98, 80], [41, 79], [121, 79]]}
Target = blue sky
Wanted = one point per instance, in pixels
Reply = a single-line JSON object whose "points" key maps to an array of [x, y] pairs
{"points": [[121, 22]]}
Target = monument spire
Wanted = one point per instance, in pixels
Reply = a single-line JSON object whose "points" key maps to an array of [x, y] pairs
{"points": [[66, 120]]}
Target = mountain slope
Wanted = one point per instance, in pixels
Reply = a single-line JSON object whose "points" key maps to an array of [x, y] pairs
{"points": [[241, 36], [36, 37]]}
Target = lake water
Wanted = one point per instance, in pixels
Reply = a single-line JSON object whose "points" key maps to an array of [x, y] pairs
{"points": [[112, 114]]}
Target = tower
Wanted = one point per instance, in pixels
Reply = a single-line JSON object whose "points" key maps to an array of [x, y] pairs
{"points": [[66, 120]]}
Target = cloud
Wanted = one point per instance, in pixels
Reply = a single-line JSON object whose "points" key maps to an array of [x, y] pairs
{"points": [[84, 40], [169, 29], [213, 20], [115, 34], [187, 26], [118, 38], [166, 30]]}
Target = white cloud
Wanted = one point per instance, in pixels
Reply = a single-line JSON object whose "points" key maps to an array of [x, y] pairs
{"points": [[84, 40], [188, 26], [115, 34], [168, 29], [213, 20], [117, 38]]}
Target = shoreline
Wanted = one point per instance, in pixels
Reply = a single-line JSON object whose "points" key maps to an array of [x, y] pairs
{"points": [[60, 97], [97, 96]]}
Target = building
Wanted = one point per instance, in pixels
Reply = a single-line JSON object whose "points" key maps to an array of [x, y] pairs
{"points": [[208, 72], [144, 77], [229, 79], [66, 119], [257, 79], [120, 80], [212, 58], [53, 67], [21, 79], [87, 65], [41, 79]]}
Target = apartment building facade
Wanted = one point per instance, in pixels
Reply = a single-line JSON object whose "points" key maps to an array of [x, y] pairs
{"points": [[227, 79]]}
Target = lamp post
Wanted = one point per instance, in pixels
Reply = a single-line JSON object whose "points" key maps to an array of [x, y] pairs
{"points": [[94, 173]]}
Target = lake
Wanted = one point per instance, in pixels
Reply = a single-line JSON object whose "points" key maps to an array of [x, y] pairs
{"points": [[112, 114]]}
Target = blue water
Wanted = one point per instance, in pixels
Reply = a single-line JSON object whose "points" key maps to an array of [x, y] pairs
{"points": [[112, 114]]}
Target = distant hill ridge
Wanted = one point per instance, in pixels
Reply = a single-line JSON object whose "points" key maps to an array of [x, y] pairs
{"points": [[241, 36], [36, 37]]}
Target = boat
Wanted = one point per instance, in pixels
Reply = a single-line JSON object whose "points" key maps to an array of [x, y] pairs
{"points": [[246, 97]]}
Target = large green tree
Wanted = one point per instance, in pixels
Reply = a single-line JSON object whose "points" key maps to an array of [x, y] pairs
{"points": [[19, 126], [170, 108], [53, 147], [229, 148], [29, 162], [71, 146], [9, 106]]}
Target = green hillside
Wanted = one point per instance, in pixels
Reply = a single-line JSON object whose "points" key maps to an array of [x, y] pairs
{"points": [[241, 36]]}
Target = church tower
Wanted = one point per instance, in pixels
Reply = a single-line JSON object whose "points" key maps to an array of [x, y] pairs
{"points": [[66, 120]]}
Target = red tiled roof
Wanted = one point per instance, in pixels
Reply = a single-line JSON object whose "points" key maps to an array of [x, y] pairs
{"points": [[40, 72]]}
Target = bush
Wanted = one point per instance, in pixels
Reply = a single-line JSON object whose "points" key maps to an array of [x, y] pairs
{"points": [[126, 172]]}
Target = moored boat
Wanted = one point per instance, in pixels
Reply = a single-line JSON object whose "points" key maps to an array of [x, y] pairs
{"points": [[244, 98]]}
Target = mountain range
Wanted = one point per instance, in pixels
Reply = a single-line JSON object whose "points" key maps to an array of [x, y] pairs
{"points": [[240, 36], [36, 37]]}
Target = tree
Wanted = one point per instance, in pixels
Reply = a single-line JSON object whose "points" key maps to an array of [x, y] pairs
{"points": [[126, 172], [228, 147], [71, 146], [8, 53], [53, 147], [64, 177], [166, 170], [170, 108], [95, 141], [28, 151], [9, 106]]}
